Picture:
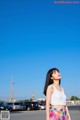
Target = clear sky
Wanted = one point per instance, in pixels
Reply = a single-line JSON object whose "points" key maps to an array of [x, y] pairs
{"points": [[36, 35]]}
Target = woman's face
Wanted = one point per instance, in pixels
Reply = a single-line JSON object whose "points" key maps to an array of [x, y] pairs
{"points": [[56, 75]]}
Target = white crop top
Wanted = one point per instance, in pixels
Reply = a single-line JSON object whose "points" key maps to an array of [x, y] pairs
{"points": [[58, 97]]}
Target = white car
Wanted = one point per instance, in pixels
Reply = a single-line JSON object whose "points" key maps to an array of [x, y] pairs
{"points": [[42, 106]]}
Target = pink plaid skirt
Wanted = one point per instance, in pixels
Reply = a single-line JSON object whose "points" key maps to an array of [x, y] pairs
{"points": [[58, 114]]}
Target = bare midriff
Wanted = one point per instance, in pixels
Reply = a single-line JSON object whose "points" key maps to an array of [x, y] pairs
{"points": [[58, 106]]}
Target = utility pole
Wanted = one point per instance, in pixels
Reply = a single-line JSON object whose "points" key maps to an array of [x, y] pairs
{"points": [[11, 90], [33, 97]]}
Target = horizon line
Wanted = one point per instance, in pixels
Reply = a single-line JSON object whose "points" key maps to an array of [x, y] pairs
{"points": [[64, 2]]}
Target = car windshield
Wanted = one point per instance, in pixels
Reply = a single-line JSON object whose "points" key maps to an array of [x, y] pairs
{"points": [[16, 103], [2, 104], [9, 103]]}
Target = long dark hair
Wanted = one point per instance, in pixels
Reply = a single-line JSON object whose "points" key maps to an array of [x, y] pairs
{"points": [[49, 80]]}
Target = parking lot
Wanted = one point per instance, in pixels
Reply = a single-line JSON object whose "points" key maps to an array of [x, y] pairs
{"points": [[39, 115]]}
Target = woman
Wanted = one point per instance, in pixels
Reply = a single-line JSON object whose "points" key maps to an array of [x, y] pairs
{"points": [[55, 97]]}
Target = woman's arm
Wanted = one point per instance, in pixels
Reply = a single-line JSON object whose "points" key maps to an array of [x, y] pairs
{"points": [[68, 114], [48, 98]]}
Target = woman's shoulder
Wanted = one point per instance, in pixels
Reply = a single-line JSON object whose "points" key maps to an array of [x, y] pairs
{"points": [[50, 90], [50, 87], [62, 88]]}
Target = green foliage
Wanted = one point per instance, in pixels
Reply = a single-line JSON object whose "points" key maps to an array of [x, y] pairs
{"points": [[3, 101], [26, 100], [74, 98]]}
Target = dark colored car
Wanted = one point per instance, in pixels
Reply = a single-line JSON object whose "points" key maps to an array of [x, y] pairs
{"points": [[35, 105], [16, 105], [23, 106], [4, 106], [31, 105]]}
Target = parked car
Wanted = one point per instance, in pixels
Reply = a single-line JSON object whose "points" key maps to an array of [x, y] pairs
{"points": [[23, 106], [42, 106], [16, 105], [31, 105], [35, 105], [4, 106]]}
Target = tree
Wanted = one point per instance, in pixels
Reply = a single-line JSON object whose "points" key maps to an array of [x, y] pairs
{"points": [[74, 98]]}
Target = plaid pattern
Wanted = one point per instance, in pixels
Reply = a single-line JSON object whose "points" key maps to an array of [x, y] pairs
{"points": [[57, 114]]}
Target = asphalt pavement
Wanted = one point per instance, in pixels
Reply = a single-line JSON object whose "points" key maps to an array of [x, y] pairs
{"points": [[39, 115]]}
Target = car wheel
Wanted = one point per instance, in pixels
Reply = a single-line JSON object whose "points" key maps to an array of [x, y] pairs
{"points": [[10, 109], [40, 108], [28, 108], [6, 108]]}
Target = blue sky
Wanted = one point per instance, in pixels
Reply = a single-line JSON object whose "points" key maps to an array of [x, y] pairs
{"points": [[35, 36]]}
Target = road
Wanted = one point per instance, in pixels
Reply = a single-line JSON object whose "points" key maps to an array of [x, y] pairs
{"points": [[39, 115], [28, 115]]}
